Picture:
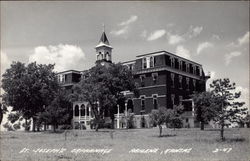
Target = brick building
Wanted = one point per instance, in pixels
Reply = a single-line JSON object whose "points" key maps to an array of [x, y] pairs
{"points": [[163, 79]]}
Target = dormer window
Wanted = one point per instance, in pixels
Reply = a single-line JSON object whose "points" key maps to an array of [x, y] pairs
{"points": [[172, 62], [151, 62], [180, 65], [144, 63]]}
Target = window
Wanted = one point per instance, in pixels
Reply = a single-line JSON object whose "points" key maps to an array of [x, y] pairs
{"points": [[82, 110], [142, 77], [88, 108], [154, 75], [155, 101], [180, 100], [187, 82], [180, 81], [187, 67], [172, 62], [107, 56], [172, 99], [172, 80], [144, 63], [151, 62], [194, 85], [142, 102], [76, 110], [180, 65]]}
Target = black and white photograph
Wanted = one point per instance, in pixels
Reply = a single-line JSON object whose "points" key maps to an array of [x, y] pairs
{"points": [[124, 81]]}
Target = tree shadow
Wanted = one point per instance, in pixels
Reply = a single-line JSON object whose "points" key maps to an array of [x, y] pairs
{"points": [[165, 135], [231, 140]]}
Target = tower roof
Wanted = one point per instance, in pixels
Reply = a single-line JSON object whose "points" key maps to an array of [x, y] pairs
{"points": [[103, 41]]}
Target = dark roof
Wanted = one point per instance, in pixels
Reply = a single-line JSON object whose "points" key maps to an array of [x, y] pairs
{"points": [[104, 39], [166, 52]]}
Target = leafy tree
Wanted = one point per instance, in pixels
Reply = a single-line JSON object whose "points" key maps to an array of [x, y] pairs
{"points": [[13, 117], [29, 88], [247, 120], [3, 110], [225, 106], [8, 126], [102, 89], [160, 117], [58, 112], [202, 106], [175, 120]]}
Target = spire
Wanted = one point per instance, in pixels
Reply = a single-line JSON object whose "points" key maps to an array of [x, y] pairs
{"points": [[104, 39]]}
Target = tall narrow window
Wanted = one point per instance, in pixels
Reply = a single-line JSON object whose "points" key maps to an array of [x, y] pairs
{"points": [[142, 77], [180, 81], [151, 62], [172, 99], [172, 80], [144, 63], [180, 65], [142, 103], [187, 67], [76, 110], [194, 84], [172, 62], [154, 76], [82, 110], [187, 82], [155, 102], [107, 56]]}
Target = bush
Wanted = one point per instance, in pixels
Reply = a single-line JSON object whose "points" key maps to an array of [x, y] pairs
{"points": [[26, 125], [66, 127], [8, 126], [130, 120], [77, 126], [175, 123], [17, 126], [143, 122]]}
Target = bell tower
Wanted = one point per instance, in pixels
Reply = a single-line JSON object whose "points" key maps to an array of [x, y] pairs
{"points": [[103, 50]]}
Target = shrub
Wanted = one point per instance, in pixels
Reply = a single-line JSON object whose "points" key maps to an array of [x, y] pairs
{"points": [[66, 127]]}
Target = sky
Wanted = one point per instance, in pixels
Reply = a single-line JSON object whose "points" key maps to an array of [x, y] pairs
{"points": [[214, 34]]}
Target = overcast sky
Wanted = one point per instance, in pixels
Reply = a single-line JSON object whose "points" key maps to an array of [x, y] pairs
{"points": [[214, 34]]}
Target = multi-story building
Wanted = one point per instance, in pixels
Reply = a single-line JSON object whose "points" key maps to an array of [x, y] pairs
{"points": [[163, 79]]}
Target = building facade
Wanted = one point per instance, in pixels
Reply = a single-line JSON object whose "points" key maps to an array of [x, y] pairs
{"points": [[163, 79]]}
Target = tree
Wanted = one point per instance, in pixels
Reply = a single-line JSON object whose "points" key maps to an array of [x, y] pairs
{"points": [[247, 120], [29, 88], [58, 112], [224, 104], [3, 110], [160, 117], [102, 89], [202, 106], [175, 120]]}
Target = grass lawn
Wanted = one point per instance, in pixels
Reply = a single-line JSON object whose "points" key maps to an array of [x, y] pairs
{"points": [[199, 145]]}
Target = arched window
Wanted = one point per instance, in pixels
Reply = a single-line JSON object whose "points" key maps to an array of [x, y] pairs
{"points": [[76, 110], [107, 56], [82, 110]]}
